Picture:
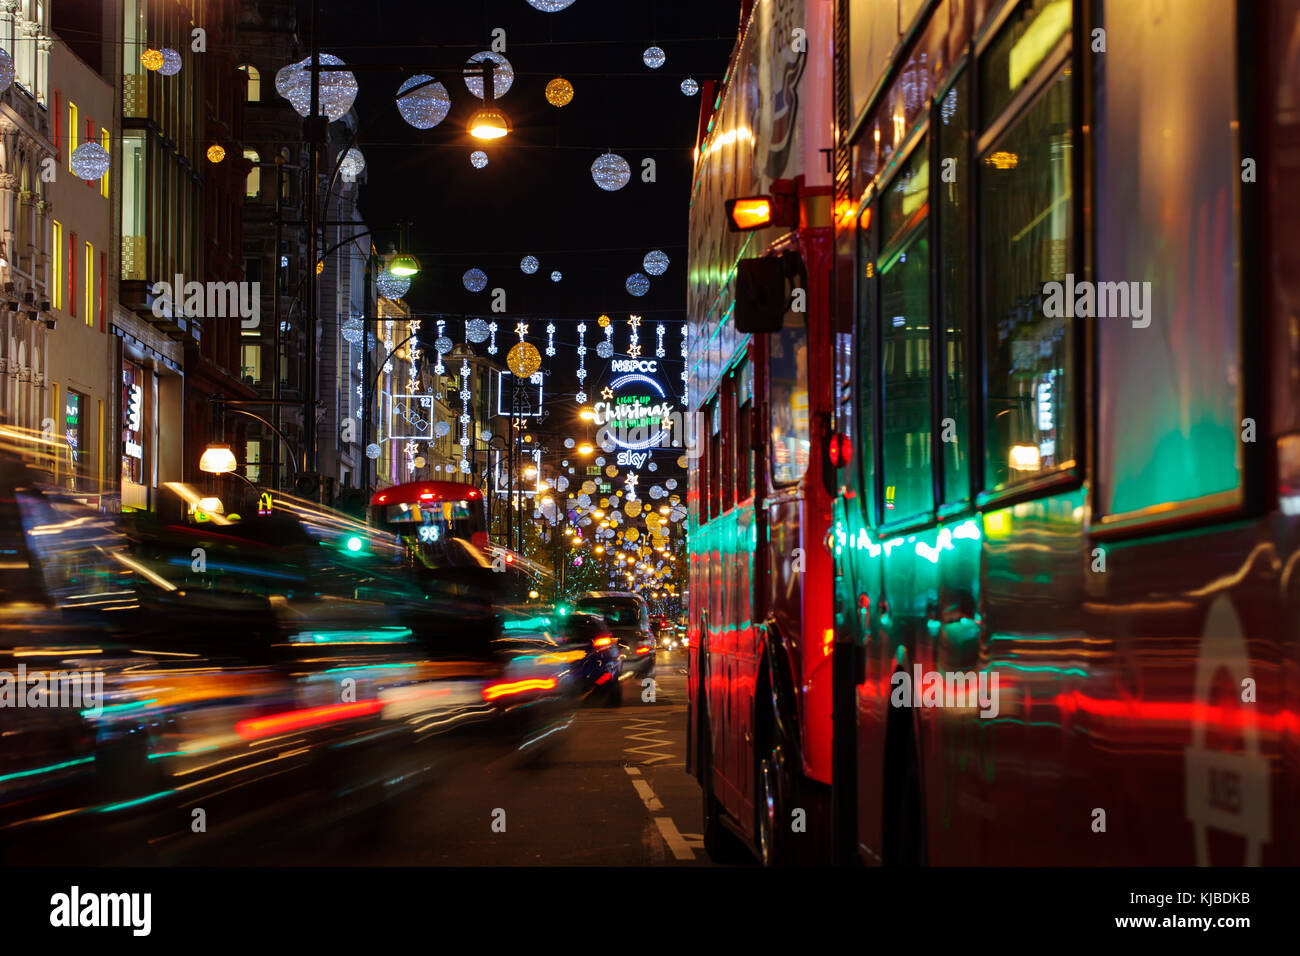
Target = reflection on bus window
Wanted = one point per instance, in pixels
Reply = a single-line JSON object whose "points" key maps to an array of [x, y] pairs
{"points": [[788, 395], [1025, 187]]}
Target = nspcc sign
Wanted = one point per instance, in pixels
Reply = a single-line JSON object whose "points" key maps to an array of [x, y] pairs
{"points": [[635, 412]]}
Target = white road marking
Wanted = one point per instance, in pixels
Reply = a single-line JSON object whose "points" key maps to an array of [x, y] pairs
{"points": [[632, 771], [647, 795], [682, 848]]}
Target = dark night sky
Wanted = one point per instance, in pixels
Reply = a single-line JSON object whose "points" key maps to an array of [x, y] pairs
{"points": [[536, 196]]}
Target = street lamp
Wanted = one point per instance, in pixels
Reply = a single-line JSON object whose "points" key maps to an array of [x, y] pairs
{"points": [[405, 265], [489, 123], [218, 459]]}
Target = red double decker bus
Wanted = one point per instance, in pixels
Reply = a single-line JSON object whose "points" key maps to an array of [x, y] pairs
{"points": [[759, 630], [1066, 536]]}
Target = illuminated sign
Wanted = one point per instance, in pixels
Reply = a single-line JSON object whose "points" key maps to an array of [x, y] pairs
{"points": [[635, 415], [530, 405], [410, 416], [634, 365]]}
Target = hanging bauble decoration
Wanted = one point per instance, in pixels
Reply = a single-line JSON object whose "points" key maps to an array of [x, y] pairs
{"points": [[654, 57], [7, 69], [443, 344], [171, 64], [391, 286], [690, 87], [559, 92], [556, 276], [215, 153], [611, 172], [502, 77], [478, 159], [152, 60], [441, 430], [423, 101], [476, 331], [605, 349], [655, 262], [523, 359], [352, 165], [338, 88], [90, 161], [475, 280], [528, 265], [550, 6]]}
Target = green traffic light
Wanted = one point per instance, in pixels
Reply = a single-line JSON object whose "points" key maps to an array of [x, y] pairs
{"points": [[354, 544]]}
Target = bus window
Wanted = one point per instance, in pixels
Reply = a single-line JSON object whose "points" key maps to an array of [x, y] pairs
{"points": [[865, 345], [728, 475], [905, 340], [1155, 228], [715, 456], [1025, 232], [788, 398], [952, 207], [744, 434]]}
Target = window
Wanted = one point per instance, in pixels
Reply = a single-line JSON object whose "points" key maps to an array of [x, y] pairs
{"points": [[73, 133], [56, 246], [730, 460], [904, 268], [90, 285], [715, 457], [73, 250], [866, 367], [250, 365], [134, 206], [744, 431], [254, 82], [253, 186], [103, 181], [1025, 231], [788, 398], [1169, 248], [74, 412], [1022, 46], [952, 208]]}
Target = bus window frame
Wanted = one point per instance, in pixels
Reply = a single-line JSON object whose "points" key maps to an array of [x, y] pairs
{"points": [[1069, 474], [918, 138]]}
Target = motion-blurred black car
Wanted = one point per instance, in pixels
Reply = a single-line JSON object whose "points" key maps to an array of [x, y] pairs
{"points": [[629, 622], [598, 669]]}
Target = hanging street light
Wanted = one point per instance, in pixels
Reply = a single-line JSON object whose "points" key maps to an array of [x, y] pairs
{"points": [[217, 459]]}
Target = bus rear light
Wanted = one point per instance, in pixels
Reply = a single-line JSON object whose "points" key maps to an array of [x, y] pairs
{"points": [[846, 450]]}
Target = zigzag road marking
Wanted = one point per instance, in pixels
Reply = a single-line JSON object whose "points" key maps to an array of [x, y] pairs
{"points": [[650, 731]]}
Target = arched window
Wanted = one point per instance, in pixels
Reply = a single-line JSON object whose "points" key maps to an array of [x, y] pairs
{"points": [[253, 189], [254, 82]]}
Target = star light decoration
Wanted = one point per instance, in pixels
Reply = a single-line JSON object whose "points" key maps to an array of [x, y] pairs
{"points": [[439, 368], [423, 101], [659, 348], [637, 284], [550, 338], [633, 339], [654, 57], [464, 415], [478, 159], [528, 265], [475, 280], [611, 172]]}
